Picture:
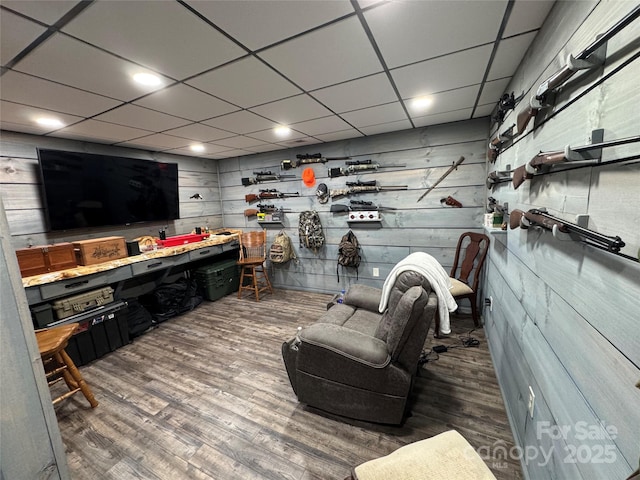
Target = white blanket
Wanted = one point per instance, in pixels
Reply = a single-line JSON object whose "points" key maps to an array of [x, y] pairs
{"points": [[429, 268]]}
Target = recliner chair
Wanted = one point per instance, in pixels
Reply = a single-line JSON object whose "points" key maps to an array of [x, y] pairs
{"points": [[358, 363]]}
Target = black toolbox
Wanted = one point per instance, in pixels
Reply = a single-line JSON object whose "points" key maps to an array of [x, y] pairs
{"points": [[218, 279]]}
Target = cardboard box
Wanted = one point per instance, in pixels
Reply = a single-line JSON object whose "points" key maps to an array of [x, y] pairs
{"points": [[45, 259], [100, 250]]}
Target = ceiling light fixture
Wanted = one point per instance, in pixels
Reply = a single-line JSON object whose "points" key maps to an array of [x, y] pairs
{"points": [[282, 131], [421, 103], [197, 147], [49, 122], [147, 79]]}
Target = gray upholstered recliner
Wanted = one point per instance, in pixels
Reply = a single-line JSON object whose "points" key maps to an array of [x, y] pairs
{"points": [[358, 363]]}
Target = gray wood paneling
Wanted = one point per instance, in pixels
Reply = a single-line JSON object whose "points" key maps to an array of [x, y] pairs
{"points": [[564, 318]]}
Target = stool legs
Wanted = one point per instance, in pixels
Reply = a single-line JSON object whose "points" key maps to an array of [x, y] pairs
{"points": [[76, 377]]}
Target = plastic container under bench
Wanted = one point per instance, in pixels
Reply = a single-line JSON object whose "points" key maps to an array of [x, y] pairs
{"points": [[219, 279]]}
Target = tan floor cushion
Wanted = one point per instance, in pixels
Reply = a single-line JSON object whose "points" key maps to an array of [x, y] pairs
{"points": [[446, 456]]}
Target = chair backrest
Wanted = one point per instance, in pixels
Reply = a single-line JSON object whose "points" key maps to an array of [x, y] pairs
{"points": [[253, 245], [471, 259]]}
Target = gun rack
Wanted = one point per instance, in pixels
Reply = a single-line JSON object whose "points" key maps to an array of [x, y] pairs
{"points": [[364, 219], [582, 220]]}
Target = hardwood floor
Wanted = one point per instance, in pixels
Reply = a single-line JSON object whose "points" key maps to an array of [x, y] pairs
{"points": [[206, 396]]}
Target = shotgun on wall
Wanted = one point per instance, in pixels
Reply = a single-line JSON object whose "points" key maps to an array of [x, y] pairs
{"points": [[263, 177], [573, 65], [538, 217], [307, 159], [587, 155], [353, 188], [359, 166], [268, 194]]}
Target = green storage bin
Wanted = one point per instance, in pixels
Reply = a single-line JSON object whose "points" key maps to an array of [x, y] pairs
{"points": [[218, 279]]}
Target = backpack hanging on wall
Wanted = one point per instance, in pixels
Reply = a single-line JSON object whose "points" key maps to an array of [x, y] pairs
{"points": [[281, 250], [310, 230], [348, 253]]}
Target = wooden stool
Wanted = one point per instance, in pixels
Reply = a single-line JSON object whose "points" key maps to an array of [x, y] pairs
{"points": [[253, 254], [58, 365]]}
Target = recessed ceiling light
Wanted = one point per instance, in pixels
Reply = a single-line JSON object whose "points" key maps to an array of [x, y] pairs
{"points": [[421, 103], [147, 79], [49, 122], [197, 147], [282, 131]]}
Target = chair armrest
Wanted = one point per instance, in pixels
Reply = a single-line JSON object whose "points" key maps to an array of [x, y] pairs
{"points": [[363, 296], [349, 343]]}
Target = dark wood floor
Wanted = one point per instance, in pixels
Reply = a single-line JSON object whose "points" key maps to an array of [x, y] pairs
{"points": [[206, 396]]}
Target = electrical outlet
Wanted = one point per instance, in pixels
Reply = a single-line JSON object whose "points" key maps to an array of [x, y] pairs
{"points": [[532, 401], [376, 272]]}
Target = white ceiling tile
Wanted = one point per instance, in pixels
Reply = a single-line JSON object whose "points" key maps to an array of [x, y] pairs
{"points": [[208, 150], [90, 129], [376, 115], [270, 136], [186, 102], [356, 94], [412, 31], [492, 91], [239, 141], [321, 125], [159, 140], [299, 142], [444, 73], [484, 110], [342, 135], [233, 153], [258, 24], [16, 34], [46, 11], [241, 122], [267, 147], [386, 127], [199, 132], [20, 88], [292, 110], [509, 55], [140, 117], [163, 36], [21, 118], [247, 82], [527, 15], [448, 101], [68, 61], [445, 117], [332, 54]]}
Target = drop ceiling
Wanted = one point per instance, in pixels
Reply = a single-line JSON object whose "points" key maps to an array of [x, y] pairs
{"points": [[232, 71]]}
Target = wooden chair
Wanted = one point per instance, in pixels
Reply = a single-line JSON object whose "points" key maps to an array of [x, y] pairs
{"points": [[470, 255], [58, 365], [253, 254]]}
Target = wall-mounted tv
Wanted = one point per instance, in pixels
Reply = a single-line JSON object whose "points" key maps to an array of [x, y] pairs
{"points": [[84, 190]]}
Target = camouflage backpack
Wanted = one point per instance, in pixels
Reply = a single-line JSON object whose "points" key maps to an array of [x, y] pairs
{"points": [[281, 250], [310, 230], [348, 253]]}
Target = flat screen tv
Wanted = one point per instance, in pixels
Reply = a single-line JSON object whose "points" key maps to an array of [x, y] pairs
{"points": [[87, 190]]}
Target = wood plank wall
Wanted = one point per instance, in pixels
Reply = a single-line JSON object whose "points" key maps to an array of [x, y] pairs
{"points": [[21, 190], [425, 226], [565, 316]]}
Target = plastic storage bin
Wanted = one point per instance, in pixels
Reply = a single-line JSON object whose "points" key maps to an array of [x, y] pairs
{"points": [[219, 279]]}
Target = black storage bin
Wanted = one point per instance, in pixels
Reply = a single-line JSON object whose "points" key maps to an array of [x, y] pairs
{"points": [[97, 336], [218, 279]]}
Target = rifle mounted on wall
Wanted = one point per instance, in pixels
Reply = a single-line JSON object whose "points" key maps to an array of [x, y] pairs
{"points": [[263, 176], [306, 159], [445, 175], [267, 195], [353, 188], [586, 155], [590, 57], [358, 205], [359, 166], [538, 217]]}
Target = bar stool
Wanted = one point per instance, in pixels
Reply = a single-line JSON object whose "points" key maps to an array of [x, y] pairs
{"points": [[58, 365], [253, 254]]}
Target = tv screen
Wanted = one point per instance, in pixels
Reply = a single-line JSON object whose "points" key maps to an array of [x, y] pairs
{"points": [[86, 190]]}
